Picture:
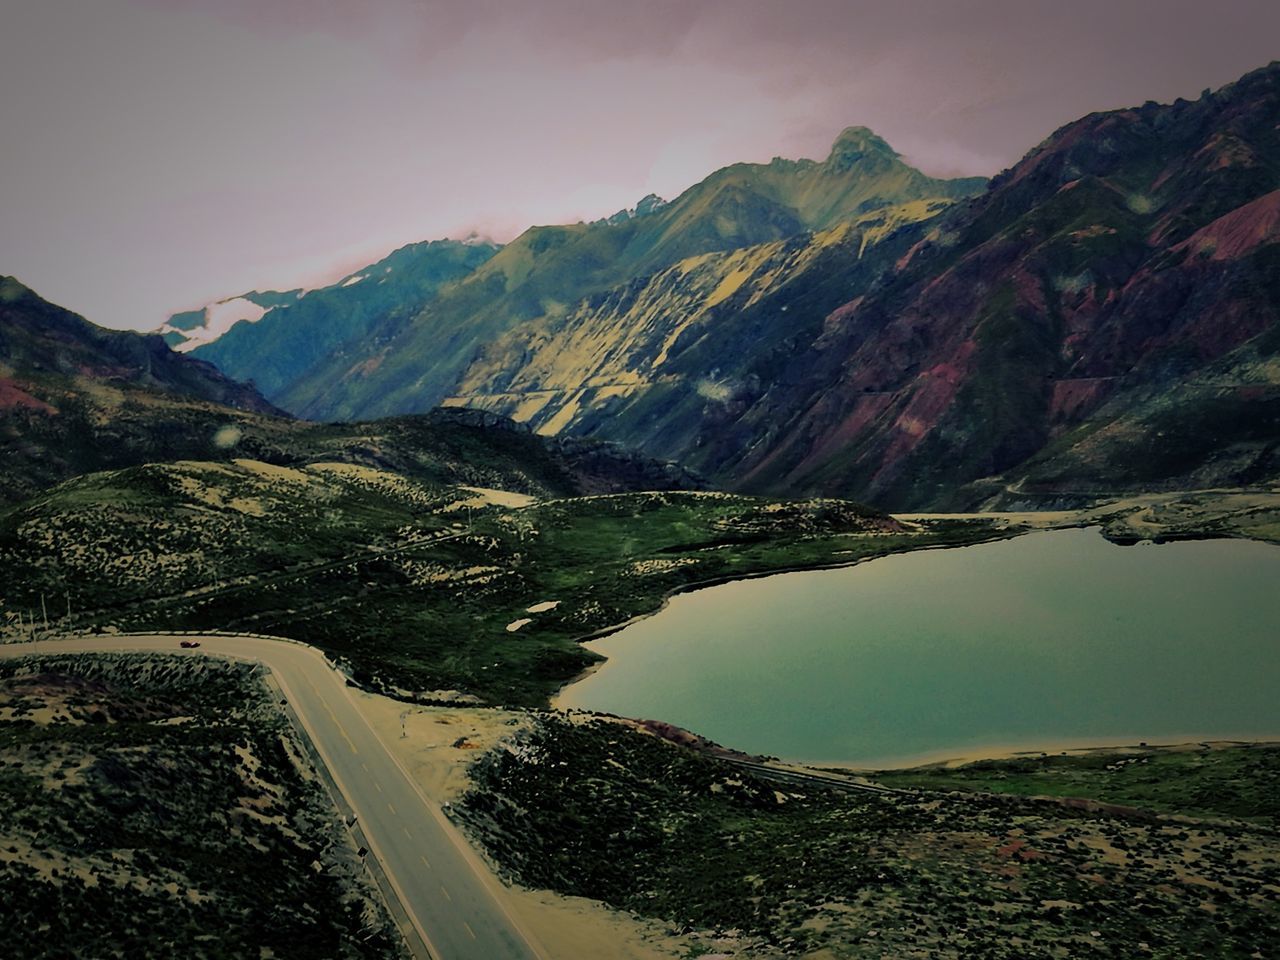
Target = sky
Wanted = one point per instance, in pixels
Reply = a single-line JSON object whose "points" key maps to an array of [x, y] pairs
{"points": [[162, 154]]}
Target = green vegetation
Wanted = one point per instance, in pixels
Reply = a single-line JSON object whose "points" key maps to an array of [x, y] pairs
{"points": [[1241, 783], [596, 809], [413, 585], [159, 807]]}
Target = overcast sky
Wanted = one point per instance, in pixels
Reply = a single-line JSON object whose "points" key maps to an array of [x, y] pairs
{"points": [[160, 154]]}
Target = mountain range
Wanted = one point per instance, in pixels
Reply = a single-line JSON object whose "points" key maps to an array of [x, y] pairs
{"points": [[76, 399], [411, 357], [1100, 317]]}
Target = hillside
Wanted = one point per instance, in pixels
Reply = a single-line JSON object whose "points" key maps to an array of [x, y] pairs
{"points": [[148, 800], [646, 360], [75, 399], [295, 334], [548, 271], [1111, 269], [39, 340], [1103, 319], [418, 585]]}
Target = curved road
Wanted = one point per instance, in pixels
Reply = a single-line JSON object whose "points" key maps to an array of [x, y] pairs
{"points": [[447, 892]]}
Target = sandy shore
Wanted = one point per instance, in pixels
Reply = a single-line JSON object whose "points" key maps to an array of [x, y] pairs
{"points": [[1181, 743]]}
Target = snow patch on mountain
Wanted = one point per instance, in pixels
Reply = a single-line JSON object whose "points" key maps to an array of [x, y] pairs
{"points": [[218, 319]]}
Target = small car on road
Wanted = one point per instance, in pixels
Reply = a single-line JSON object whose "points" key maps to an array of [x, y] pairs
{"points": [[189, 644]]}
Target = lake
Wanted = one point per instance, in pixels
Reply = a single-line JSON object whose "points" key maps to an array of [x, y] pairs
{"points": [[1055, 638]]}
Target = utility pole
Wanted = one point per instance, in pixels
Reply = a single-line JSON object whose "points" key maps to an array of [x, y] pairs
{"points": [[44, 613]]}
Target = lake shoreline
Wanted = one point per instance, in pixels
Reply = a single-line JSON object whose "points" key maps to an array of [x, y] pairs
{"points": [[1068, 747], [710, 582], [861, 711]]}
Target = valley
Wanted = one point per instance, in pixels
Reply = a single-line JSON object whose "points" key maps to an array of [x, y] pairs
{"points": [[457, 559], [1099, 318], [844, 558]]}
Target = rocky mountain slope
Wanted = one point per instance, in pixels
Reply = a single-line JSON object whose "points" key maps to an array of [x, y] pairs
{"points": [[302, 332], [40, 342], [1128, 263], [618, 356], [75, 399], [547, 272], [1104, 318]]}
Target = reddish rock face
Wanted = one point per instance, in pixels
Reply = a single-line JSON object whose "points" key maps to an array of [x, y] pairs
{"points": [[1127, 265], [13, 397]]}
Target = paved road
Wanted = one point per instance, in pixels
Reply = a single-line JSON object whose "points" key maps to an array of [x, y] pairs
{"points": [[447, 892]]}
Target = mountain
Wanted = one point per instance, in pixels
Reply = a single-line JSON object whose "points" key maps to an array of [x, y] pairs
{"points": [[646, 360], [410, 363], [75, 399], [1104, 318], [41, 342], [190, 329], [278, 339]]}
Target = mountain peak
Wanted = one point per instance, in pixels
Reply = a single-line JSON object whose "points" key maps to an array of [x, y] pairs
{"points": [[11, 289], [857, 143]]}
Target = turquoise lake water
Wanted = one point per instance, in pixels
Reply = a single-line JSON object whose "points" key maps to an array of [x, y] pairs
{"points": [[1050, 638]]}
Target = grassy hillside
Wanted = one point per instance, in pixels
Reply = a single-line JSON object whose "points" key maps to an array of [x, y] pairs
{"points": [[158, 807], [1199, 780], [54, 426], [296, 337], [597, 809], [414, 585]]}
